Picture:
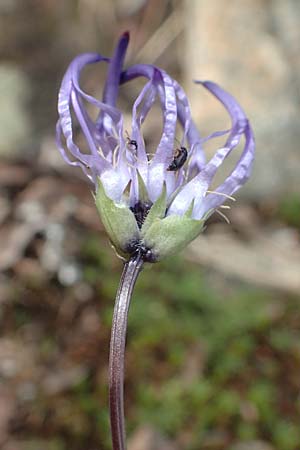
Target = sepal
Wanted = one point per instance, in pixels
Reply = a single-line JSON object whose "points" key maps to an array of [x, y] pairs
{"points": [[118, 220], [169, 235], [157, 211]]}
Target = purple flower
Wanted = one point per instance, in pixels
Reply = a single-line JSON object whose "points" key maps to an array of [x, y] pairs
{"points": [[153, 205]]}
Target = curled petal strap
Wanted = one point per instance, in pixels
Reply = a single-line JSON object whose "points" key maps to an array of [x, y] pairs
{"points": [[112, 113], [184, 115], [143, 102], [82, 160], [166, 90], [70, 94], [240, 126], [165, 147], [75, 69], [238, 176], [239, 123], [164, 153], [111, 88], [64, 125]]}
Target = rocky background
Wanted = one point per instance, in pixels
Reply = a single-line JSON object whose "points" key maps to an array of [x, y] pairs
{"points": [[213, 355]]}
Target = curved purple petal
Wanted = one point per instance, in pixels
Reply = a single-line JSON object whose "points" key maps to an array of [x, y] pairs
{"points": [[67, 97], [183, 108], [113, 120], [166, 91], [82, 159], [111, 88], [145, 101], [240, 126], [75, 69], [117, 160], [238, 176], [184, 115], [71, 96], [151, 72], [215, 134]]}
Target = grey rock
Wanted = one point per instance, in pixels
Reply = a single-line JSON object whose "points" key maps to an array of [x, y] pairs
{"points": [[15, 124], [251, 49]]}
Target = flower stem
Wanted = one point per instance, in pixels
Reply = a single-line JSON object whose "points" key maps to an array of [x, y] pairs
{"points": [[117, 351]]}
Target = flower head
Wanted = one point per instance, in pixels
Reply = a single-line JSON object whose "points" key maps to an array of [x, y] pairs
{"points": [[151, 205]]}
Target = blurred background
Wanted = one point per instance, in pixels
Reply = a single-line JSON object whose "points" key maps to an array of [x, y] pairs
{"points": [[213, 348]]}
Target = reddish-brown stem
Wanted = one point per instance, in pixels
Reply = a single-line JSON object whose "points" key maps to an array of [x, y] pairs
{"points": [[117, 351]]}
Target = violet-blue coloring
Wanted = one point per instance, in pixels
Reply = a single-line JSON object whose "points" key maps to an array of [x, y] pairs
{"points": [[135, 190]]}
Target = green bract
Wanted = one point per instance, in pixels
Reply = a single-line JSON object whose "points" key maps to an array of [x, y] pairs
{"points": [[171, 234], [158, 237], [118, 220]]}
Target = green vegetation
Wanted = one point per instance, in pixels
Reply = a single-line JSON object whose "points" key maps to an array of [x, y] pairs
{"points": [[208, 364], [201, 363], [289, 209]]}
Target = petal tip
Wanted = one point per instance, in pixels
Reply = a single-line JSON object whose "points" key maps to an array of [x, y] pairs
{"points": [[125, 37]]}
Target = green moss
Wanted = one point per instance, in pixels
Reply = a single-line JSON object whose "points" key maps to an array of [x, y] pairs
{"points": [[264, 396], [286, 435], [194, 356], [247, 431], [289, 209], [38, 444]]}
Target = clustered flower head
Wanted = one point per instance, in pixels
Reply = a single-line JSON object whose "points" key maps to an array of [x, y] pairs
{"points": [[151, 205]]}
